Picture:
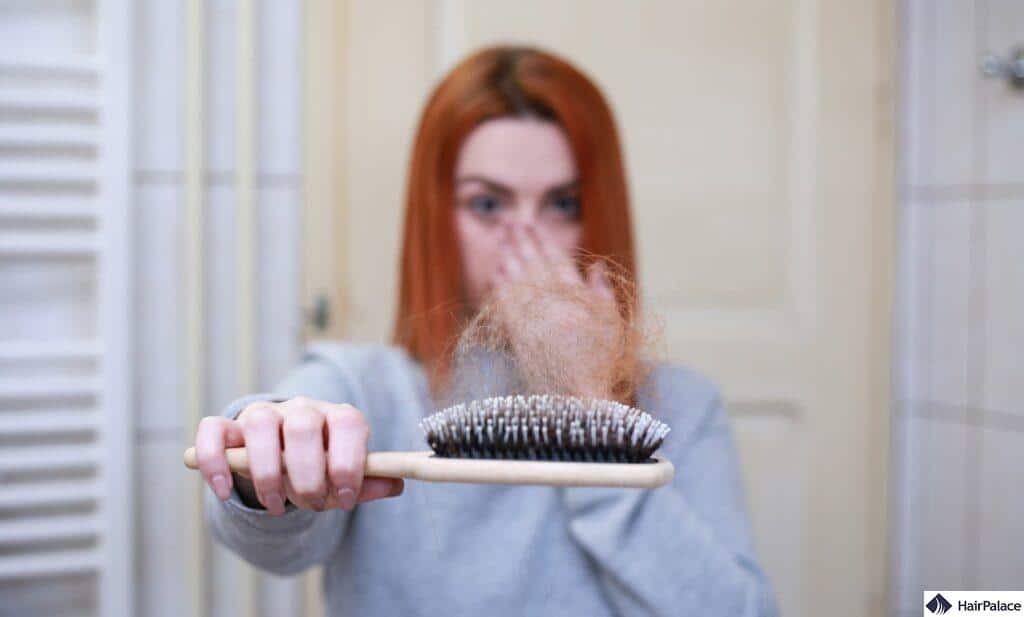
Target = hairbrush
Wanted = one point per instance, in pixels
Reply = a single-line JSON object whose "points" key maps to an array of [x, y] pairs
{"points": [[538, 439]]}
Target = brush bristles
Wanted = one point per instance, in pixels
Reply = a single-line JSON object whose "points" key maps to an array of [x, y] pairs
{"points": [[545, 427]]}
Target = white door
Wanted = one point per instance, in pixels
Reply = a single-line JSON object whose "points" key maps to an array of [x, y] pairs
{"points": [[758, 145]]}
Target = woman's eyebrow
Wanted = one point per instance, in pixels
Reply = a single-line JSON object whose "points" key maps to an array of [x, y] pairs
{"points": [[491, 184], [501, 188], [568, 186]]}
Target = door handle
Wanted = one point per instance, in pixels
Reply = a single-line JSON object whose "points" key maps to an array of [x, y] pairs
{"points": [[319, 315], [1010, 68]]}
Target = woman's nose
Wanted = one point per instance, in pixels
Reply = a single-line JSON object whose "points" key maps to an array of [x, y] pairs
{"points": [[522, 217]]}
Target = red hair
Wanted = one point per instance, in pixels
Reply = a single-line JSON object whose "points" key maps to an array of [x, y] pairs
{"points": [[492, 83]]}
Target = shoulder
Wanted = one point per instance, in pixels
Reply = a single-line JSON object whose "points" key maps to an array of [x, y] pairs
{"points": [[360, 358], [678, 387], [372, 369], [383, 381], [685, 399]]}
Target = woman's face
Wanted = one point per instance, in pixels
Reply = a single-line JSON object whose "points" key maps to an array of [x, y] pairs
{"points": [[512, 171]]}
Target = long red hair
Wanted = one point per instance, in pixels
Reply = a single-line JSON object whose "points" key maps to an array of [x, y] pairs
{"points": [[495, 82]]}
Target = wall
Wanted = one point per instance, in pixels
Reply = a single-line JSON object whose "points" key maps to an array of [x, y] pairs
{"points": [[960, 423], [160, 159]]}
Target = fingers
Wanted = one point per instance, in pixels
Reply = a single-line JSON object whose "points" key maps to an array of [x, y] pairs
{"points": [[348, 433], [380, 488], [322, 446], [527, 246], [519, 258], [597, 279], [511, 265], [527, 251], [213, 436], [303, 432], [261, 424], [560, 262], [373, 488], [545, 254], [543, 247]]}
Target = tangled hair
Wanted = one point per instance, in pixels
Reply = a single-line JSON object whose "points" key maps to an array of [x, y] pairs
{"points": [[554, 336], [492, 83]]}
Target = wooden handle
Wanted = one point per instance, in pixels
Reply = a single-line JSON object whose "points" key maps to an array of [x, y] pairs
{"points": [[426, 466]]}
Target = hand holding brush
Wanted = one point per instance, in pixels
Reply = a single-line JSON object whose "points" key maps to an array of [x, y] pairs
{"points": [[545, 440]]}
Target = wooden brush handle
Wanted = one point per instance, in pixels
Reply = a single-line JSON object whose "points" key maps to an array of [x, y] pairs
{"points": [[425, 466]]}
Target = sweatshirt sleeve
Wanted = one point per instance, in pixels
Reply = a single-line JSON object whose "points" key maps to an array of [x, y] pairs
{"points": [[684, 548], [298, 539]]}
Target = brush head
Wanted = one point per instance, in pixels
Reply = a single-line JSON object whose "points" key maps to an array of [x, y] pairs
{"points": [[544, 428]]}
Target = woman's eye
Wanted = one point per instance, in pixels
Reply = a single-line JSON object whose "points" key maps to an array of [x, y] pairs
{"points": [[484, 204], [567, 206]]}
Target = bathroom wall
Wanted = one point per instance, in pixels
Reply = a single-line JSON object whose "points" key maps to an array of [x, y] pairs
{"points": [[162, 551], [51, 300], [958, 520]]}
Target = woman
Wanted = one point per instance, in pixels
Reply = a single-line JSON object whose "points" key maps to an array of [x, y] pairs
{"points": [[516, 168]]}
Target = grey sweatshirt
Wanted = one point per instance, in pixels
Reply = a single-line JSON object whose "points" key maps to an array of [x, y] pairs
{"points": [[460, 549]]}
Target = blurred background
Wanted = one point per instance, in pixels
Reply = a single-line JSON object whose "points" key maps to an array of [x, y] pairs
{"points": [[829, 201]]}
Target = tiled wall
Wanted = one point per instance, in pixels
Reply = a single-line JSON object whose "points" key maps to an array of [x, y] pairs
{"points": [[959, 523], [159, 166]]}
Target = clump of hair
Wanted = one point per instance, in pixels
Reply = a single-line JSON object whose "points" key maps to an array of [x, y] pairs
{"points": [[556, 336]]}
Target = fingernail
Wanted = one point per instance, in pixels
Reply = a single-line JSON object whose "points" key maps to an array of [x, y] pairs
{"points": [[347, 499], [220, 486], [274, 503], [397, 489]]}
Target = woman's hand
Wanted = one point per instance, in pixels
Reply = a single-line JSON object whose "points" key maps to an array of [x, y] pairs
{"points": [[323, 447], [535, 284]]}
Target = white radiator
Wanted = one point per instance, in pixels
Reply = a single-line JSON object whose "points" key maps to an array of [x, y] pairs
{"points": [[65, 320]]}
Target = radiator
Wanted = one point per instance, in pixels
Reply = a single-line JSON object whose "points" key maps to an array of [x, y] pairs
{"points": [[65, 320]]}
